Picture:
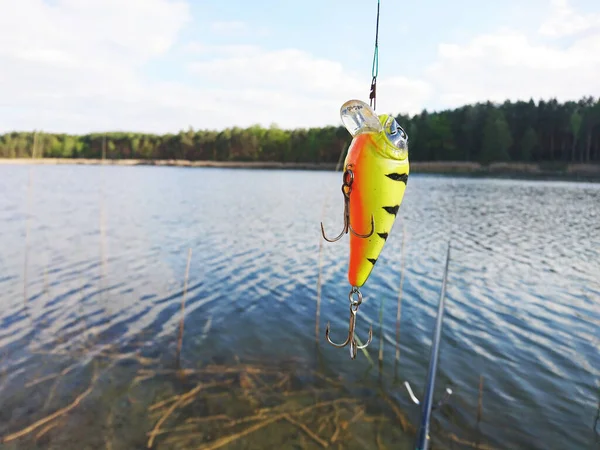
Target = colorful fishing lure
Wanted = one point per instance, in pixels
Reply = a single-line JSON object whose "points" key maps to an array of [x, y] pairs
{"points": [[375, 175]]}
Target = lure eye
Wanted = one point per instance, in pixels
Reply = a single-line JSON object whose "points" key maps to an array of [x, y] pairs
{"points": [[397, 129], [395, 133]]}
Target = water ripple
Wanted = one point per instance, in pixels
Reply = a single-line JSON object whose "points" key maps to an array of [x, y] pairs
{"points": [[523, 295]]}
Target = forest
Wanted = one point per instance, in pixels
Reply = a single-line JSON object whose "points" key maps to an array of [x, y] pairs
{"points": [[548, 131]]}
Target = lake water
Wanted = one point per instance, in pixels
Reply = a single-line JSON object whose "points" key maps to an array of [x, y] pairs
{"points": [[92, 269]]}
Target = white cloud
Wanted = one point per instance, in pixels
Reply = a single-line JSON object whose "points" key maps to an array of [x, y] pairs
{"points": [[90, 29], [73, 63], [565, 21], [305, 81], [82, 65], [82, 69], [236, 28], [512, 65], [232, 26], [200, 48]]}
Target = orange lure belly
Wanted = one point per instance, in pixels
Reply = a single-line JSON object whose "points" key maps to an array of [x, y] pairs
{"points": [[377, 190]]}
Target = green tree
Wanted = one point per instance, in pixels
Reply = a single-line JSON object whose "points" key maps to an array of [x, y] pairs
{"points": [[529, 142], [518, 131], [497, 138], [575, 128]]}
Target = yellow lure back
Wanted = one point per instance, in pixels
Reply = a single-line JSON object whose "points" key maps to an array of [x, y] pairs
{"points": [[377, 165]]}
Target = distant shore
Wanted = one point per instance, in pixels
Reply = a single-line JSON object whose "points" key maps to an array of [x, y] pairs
{"points": [[589, 172]]}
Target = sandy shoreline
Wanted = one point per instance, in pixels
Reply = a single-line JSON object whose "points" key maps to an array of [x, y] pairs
{"points": [[578, 171]]}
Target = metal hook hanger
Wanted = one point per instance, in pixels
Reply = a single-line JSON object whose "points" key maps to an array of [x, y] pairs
{"points": [[423, 438], [351, 339], [346, 190]]}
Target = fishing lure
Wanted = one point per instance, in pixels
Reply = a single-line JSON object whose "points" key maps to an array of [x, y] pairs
{"points": [[374, 180]]}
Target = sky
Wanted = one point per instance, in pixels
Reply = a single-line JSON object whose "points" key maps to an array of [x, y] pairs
{"points": [[161, 66]]}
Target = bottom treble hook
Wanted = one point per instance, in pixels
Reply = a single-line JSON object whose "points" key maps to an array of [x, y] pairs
{"points": [[351, 339]]}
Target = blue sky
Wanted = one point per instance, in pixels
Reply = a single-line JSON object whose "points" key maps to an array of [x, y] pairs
{"points": [[163, 65]]}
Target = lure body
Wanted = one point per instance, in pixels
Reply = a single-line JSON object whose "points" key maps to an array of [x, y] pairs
{"points": [[378, 160]]}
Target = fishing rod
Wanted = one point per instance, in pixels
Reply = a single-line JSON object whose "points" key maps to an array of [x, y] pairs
{"points": [[423, 439]]}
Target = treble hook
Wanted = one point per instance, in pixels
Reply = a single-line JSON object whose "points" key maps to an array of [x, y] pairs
{"points": [[346, 190], [351, 339]]}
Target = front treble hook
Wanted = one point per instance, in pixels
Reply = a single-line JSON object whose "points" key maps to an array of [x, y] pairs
{"points": [[351, 339], [346, 190]]}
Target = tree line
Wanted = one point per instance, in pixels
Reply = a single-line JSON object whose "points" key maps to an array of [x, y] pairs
{"points": [[548, 131]]}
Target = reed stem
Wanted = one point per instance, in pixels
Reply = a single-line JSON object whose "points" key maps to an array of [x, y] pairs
{"points": [[479, 412], [364, 350], [480, 400], [181, 320], [597, 420], [34, 148], [319, 278], [381, 305], [318, 311], [103, 148], [27, 221], [102, 239], [399, 310], [26, 257]]}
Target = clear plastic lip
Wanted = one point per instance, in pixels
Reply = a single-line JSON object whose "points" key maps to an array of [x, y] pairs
{"points": [[358, 117]]}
